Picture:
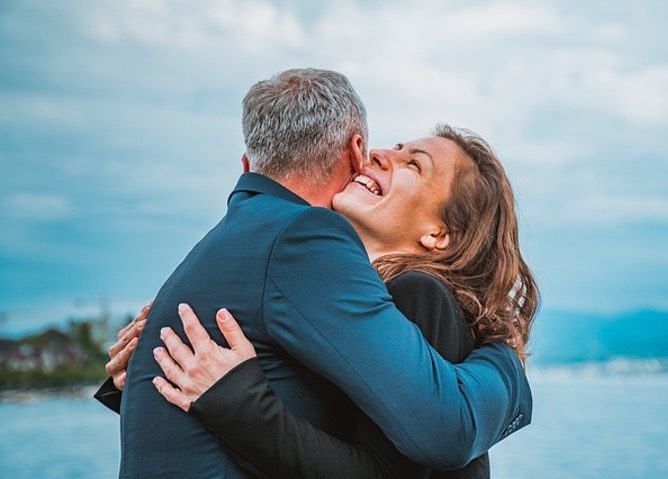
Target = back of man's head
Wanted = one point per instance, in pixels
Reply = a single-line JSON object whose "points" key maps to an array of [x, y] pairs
{"points": [[299, 122]]}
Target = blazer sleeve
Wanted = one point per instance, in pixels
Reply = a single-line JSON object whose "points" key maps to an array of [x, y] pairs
{"points": [[326, 306], [249, 419]]}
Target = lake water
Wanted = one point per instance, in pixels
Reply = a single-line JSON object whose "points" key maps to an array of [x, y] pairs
{"points": [[585, 426]]}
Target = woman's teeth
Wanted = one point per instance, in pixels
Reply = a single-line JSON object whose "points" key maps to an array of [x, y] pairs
{"points": [[371, 185]]}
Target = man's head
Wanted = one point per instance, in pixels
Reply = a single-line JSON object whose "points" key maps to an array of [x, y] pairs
{"points": [[299, 122]]}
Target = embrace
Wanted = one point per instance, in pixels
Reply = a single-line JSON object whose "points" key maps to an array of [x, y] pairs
{"points": [[355, 314]]}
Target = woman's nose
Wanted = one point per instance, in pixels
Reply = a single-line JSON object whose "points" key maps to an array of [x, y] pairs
{"points": [[379, 159]]}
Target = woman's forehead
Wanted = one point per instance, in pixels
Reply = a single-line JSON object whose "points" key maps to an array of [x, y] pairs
{"points": [[443, 151]]}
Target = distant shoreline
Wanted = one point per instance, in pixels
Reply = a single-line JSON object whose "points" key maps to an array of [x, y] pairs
{"points": [[615, 367], [32, 395]]}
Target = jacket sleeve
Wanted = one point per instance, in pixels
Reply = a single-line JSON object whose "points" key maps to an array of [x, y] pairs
{"points": [[268, 440], [326, 306], [109, 396], [249, 419]]}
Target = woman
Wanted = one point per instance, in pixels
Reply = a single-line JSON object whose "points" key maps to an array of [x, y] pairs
{"points": [[437, 218]]}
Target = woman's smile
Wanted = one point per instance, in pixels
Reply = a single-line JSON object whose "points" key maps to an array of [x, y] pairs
{"points": [[369, 183]]}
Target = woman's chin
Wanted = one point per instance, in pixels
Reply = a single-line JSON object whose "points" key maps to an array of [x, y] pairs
{"points": [[352, 199], [341, 202], [348, 206]]}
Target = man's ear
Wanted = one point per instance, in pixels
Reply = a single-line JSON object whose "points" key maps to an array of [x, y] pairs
{"points": [[245, 163], [357, 152], [436, 240]]}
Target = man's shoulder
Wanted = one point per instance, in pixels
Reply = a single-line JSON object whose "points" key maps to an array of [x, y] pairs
{"points": [[310, 225], [321, 249], [315, 216], [261, 216]]}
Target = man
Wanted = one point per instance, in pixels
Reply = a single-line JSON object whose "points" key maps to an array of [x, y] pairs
{"points": [[299, 282]]}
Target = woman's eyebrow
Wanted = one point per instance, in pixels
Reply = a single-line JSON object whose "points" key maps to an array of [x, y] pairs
{"points": [[418, 150]]}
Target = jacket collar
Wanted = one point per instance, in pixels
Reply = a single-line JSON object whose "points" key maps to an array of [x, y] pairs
{"points": [[257, 183]]}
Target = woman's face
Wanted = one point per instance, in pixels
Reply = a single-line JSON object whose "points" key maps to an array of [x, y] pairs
{"points": [[395, 203]]}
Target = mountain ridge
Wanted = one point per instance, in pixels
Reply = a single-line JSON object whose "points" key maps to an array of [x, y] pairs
{"points": [[562, 336]]}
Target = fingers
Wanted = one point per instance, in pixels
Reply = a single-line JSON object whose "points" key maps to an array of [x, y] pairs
{"points": [[143, 315], [177, 350], [197, 335], [171, 394], [233, 334], [123, 331], [172, 371], [119, 381], [131, 333], [119, 362]]}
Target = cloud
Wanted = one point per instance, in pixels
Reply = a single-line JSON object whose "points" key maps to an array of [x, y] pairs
{"points": [[207, 25], [640, 96], [125, 116], [39, 207], [606, 210]]}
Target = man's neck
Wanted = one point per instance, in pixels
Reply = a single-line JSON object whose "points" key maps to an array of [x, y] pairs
{"points": [[316, 195], [320, 194]]}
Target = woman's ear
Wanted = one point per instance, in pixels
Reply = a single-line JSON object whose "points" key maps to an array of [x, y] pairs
{"points": [[245, 163], [436, 240]]}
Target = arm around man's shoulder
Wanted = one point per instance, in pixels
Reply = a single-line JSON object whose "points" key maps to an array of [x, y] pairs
{"points": [[327, 307], [427, 301]]}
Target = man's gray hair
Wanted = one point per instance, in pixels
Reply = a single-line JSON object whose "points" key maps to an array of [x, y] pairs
{"points": [[299, 122]]}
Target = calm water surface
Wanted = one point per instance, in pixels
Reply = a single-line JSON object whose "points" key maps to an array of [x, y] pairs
{"points": [[584, 427]]}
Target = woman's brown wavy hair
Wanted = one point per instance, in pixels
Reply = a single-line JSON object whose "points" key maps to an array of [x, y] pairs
{"points": [[482, 264]]}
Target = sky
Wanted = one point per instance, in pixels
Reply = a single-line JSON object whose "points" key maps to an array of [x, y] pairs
{"points": [[120, 133]]}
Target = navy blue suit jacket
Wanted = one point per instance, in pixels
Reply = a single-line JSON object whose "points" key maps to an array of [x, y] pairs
{"points": [[298, 280]]}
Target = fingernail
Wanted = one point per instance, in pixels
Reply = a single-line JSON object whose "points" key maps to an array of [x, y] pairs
{"points": [[223, 314], [163, 332], [156, 351], [155, 381], [183, 307]]}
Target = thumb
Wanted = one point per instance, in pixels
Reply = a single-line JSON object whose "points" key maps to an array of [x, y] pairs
{"points": [[233, 334]]}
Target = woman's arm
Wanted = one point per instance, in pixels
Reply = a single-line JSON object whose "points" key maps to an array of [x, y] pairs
{"points": [[254, 424], [251, 421], [427, 302]]}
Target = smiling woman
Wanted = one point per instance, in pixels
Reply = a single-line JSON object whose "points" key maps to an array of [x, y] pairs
{"points": [[478, 257], [443, 205]]}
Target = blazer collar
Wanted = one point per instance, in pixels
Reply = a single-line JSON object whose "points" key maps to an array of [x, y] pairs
{"points": [[257, 183]]}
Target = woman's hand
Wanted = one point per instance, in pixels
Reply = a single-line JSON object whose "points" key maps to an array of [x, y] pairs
{"points": [[121, 351], [194, 372]]}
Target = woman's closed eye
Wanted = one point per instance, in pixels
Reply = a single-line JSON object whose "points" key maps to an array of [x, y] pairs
{"points": [[415, 165]]}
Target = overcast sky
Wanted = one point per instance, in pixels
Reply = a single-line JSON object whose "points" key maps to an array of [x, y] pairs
{"points": [[120, 131]]}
